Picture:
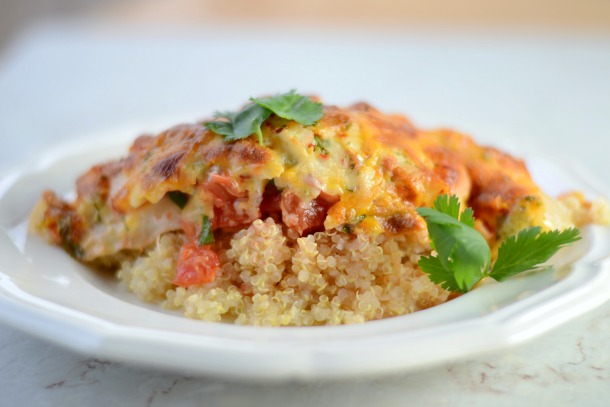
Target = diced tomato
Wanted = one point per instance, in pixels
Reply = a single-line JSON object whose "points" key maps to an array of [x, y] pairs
{"points": [[227, 217], [305, 217], [272, 198], [196, 265], [226, 193], [223, 188], [327, 200]]}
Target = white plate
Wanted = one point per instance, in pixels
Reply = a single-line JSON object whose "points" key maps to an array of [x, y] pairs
{"points": [[46, 293]]}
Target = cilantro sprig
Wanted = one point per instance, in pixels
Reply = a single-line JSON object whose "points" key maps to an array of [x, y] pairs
{"points": [[239, 125], [463, 256]]}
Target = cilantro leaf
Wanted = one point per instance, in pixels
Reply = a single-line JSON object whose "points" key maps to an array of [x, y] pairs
{"points": [[448, 205], [220, 127], [438, 274], [206, 236], [230, 116], [292, 106], [248, 122], [467, 217], [239, 125], [462, 251], [528, 249]]}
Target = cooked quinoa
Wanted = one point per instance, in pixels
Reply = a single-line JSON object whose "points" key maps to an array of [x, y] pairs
{"points": [[272, 277]]}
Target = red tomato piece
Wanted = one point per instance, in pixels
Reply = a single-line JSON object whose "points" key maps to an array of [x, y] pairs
{"points": [[272, 198], [226, 193], [304, 217], [223, 188], [196, 265]]}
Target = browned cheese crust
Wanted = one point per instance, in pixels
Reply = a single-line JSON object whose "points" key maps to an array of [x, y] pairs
{"points": [[356, 170]]}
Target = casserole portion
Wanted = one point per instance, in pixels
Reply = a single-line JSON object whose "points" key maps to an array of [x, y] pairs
{"points": [[308, 224]]}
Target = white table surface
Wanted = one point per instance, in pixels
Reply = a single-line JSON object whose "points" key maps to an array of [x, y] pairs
{"points": [[550, 94]]}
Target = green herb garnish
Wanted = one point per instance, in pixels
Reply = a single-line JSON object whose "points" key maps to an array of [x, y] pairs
{"points": [[351, 225], [179, 198], [463, 256], [319, 145], [528, 249], [206, 236], [241, 124], [292, 106], [248, 121]]}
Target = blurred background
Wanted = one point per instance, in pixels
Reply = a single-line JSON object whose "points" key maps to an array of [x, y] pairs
{"points": [[519, 70], [546, 15]]}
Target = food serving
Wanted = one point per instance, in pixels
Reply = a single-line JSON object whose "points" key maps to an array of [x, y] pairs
{"points": [[289, 212]]}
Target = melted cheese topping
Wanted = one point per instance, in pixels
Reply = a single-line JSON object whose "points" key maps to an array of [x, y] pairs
{"points": [[356, 170]]}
